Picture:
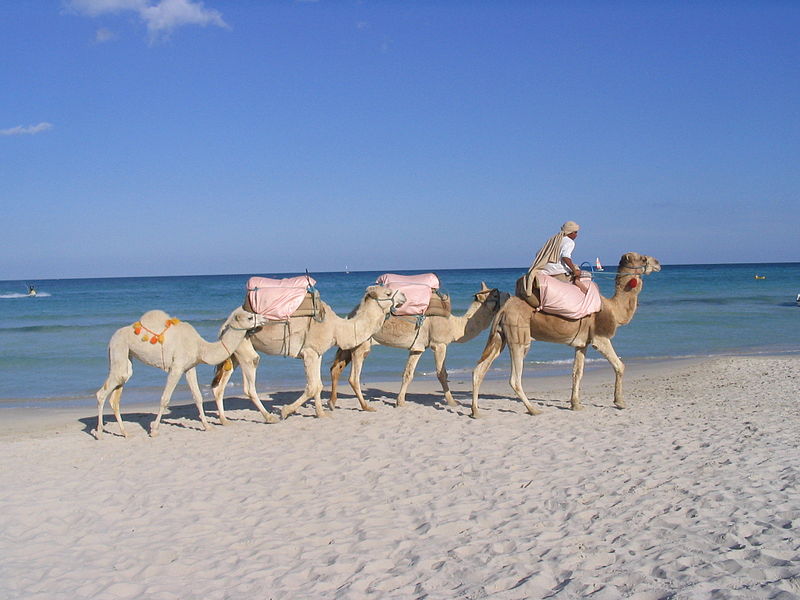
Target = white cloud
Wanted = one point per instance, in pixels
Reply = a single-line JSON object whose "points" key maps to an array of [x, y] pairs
{"points": [[160, 16], [29, 130], [104, 35]]}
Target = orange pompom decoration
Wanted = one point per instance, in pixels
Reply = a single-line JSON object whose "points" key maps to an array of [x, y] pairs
{"points": [[153, 340], [633, 282], [137, 329]]}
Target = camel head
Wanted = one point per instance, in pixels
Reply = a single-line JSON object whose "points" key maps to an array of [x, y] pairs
{"points": [[243, 320], [491, 297], [644, 265], [387, 298], [631, 267]]}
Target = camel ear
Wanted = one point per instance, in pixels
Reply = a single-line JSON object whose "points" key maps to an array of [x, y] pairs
{"points": [[484, 287], [630, 259]]}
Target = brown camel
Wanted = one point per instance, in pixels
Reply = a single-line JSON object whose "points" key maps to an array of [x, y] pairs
{"points": [[434, 332], [518, 324]]}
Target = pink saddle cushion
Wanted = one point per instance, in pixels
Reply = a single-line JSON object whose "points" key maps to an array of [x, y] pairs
{"points": [[277, 299], [565, 299], [417, 289]]}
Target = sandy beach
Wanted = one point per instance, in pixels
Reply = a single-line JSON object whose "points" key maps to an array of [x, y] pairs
{"points": [[691, 492]]}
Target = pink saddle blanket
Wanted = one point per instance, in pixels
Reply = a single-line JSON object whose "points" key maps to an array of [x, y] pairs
{"points": [[277, 299], [565, 299], [417, 289]]}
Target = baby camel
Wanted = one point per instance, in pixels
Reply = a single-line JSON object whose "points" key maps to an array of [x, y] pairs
{"points": [[175, 347]]}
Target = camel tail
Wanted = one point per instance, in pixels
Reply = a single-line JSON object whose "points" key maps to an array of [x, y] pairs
{"points": [[341, 360], [227, 365], [496, 337]]}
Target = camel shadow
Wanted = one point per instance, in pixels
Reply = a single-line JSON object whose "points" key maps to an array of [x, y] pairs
{"points": [[174, 416], [538, 402]]}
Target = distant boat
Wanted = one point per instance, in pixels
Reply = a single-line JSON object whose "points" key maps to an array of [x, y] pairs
{"points": [[597, 265], [757, 276], [31, 290], [346, 269]]}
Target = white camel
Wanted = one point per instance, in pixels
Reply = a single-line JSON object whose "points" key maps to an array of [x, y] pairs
{"points": [[307, 339], [434, 332], [518, 324], [173, 346]]}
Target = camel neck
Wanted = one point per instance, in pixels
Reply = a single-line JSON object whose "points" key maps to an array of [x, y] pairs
{"points": [[472, 322], [213, 353], [356, 330]]}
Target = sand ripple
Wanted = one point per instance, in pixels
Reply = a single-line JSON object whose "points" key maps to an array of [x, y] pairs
{"points": [[693, 492]]}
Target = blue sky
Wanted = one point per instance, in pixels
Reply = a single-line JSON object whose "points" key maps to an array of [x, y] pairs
{"points": [[171, 137]]}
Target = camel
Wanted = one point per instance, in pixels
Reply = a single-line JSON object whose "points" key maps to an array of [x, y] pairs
{"points": [[307, 339], [173, 346], [518, 324], [434, 332]]}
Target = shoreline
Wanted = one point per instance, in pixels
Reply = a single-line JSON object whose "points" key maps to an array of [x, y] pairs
{"points": [[693, 491], [50, 416]]}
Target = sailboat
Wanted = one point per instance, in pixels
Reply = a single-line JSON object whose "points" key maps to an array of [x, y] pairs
{"points": [[597, 265]]}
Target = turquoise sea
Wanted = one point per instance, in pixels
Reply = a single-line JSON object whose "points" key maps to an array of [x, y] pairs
{"points": [[53, 346]]}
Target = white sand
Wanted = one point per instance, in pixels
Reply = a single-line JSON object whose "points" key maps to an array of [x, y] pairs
{"points": [[692, 492]]}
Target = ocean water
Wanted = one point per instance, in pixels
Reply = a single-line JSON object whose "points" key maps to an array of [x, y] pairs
{"points": [[53, 346]]}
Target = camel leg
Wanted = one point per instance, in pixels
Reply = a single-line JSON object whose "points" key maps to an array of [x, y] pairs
{"points": [[115, 398], [109, 387], [312, 363], [494, 346], [604, 347], [518, 353], [120, 370], [439, 356], [577, 375], [173, 377], [249, 363], [340, 361], [191, 379], [408, 375], [358, 355]]}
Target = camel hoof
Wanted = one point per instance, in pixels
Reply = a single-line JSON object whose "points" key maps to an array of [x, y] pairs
{"points": [[98, 435], [270, 418], [285, 412], [620, 405], [475, 415], [324, 415], [576, 407], [369, 408], [224, 421], [534, 412]]}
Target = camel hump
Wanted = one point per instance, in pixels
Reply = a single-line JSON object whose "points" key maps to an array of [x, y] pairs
{"points": [[155, 319]]}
